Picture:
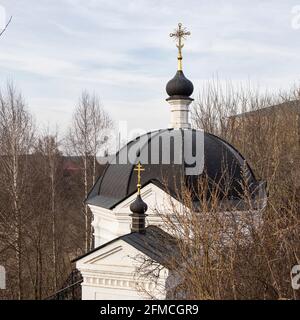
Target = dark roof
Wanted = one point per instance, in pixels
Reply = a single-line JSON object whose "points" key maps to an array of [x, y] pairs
{"points": [[179, 87], [155, 243], [289, 106], [71, 166], [118, 181]]}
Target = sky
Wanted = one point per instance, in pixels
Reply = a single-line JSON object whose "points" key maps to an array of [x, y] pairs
{"points": [[121, 50]]}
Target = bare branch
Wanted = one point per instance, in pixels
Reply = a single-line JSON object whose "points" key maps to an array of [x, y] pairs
{"points": [[9, 21]]}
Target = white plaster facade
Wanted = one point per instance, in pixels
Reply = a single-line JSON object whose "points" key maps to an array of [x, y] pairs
{"points": [[110, 274], [110, 224]]}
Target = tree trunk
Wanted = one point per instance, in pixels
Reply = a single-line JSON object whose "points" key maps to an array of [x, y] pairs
{"points": [[87, 233]]}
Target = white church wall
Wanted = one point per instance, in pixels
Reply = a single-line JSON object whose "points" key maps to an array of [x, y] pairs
{"points": [[109, 224], [110, 273]]}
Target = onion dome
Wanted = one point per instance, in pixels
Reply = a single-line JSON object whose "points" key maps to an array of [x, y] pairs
{"points": [[179, 87], [138, 206]]}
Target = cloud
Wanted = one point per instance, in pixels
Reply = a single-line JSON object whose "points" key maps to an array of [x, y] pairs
{"points": [[54, 49]]}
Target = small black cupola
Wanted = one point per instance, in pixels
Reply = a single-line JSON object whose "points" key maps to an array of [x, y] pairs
{"points": [[138, 207], [179, 87]]}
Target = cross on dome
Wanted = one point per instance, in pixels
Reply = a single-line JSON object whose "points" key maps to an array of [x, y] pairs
{"points": [[139, 168], [180, 34]]}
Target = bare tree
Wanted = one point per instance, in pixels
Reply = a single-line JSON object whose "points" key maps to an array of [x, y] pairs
{"points": [[16, 136], [100, 124], [41, 225], [48, 146], [228, 254], [234, 253], [85, 140]]}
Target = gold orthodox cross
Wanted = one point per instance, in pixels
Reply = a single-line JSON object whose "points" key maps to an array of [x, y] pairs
{"points": [[180, 35], [139, 169]]}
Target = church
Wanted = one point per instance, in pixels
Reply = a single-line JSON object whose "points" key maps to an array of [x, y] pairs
{"points": [[140, 179]]}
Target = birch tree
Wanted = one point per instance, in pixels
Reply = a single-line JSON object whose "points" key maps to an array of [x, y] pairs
{"points": [[16, 136], [85, 139], [48, 148]]}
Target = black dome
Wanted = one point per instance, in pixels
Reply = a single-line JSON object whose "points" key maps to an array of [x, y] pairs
{"points": [[118, 181], [179, 86], [138, 206]]}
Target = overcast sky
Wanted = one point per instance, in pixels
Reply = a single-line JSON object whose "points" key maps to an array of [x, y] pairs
{"points": [[53, 49]]}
